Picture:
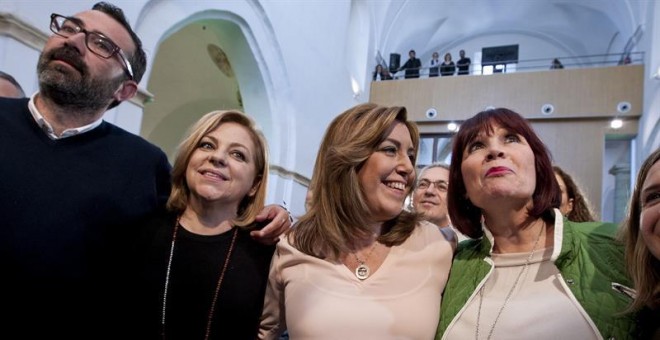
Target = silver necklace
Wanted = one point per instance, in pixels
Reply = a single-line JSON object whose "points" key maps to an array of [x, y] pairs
{"points": [[217, 287], [362, 271], [508, 295]]}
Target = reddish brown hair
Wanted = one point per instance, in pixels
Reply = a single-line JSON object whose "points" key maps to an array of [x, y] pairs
{"points": [[465, 216]]}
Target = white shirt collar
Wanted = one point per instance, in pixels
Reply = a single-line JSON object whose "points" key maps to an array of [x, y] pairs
{"points": [[48, 129]]}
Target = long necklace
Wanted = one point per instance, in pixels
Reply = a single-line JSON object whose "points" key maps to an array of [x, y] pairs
{"points": [[508, 296], [217, 287], [362, 271]]}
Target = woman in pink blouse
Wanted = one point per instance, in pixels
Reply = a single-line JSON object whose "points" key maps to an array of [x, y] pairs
{"points": [[356, 265]]}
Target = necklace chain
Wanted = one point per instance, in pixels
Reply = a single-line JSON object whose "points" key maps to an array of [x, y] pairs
{"points": [[362, 271], [508, 295], [217, 287]]}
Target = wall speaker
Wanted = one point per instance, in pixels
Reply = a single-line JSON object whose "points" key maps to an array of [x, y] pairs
{"points": [[395, 62], [623, 107], [547, 109]]}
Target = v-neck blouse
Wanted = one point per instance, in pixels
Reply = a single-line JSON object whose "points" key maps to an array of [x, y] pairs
{"points": [[325, 300]]}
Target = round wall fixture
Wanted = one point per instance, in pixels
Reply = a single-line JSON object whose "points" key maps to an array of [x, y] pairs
{"points": [[489, 107], [431, 113], [547, 109], [623, 107]]}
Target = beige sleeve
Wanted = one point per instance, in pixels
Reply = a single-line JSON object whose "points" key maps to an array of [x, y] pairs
{"points": [[273, 321]]}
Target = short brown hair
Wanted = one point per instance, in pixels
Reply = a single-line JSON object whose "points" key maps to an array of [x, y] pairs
{"points": [[336, 216], [465, 216], [250, 206]]}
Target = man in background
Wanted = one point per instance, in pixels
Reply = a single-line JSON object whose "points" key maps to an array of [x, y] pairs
{"points": [[430, 196], [411, 66], [463, 64], [9, 87]]}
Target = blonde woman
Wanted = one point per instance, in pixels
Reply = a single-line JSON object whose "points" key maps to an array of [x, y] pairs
{"points": [[201, 275]]}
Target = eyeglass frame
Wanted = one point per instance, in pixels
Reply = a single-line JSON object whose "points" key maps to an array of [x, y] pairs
{"points": [[56, 28], [436, 184]]}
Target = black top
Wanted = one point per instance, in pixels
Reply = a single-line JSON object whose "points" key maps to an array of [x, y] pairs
{"points": [[197, 262], [447, 69], [463, 65], [64, 205], [412, 67]]}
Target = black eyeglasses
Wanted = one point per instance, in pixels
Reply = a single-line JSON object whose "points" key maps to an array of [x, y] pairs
{"points": [[97, 43], [439, 185]]}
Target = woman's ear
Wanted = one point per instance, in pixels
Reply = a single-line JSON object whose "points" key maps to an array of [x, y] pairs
{"points": [[255, 187], [569, 204]]}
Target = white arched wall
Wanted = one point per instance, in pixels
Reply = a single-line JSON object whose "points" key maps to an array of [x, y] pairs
{"points": [[258, 77], [649, 125]]}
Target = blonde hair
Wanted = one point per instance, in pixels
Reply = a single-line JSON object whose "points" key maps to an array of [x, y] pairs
{"points": [[644, 268], [250, 206], [336, 217]]}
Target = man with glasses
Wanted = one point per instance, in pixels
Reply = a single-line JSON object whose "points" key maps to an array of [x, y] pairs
{"points": [[73, 185], [430, 194]]}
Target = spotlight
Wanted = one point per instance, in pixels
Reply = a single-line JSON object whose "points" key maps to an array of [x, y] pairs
{"points": [[616, 123], [452, 127]]}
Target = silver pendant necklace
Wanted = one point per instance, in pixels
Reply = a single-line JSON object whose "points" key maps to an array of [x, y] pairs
{"points": [[508, 295], [216, 293], [363, 271]]}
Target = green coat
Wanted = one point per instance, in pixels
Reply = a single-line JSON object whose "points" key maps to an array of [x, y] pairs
{"points": [[590, 262]]}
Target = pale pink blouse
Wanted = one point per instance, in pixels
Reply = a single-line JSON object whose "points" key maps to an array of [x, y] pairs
{"points": [[317, 299]]}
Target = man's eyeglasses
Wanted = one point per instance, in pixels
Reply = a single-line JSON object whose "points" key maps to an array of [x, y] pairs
{"points": [[425, 184], [97, 43]]}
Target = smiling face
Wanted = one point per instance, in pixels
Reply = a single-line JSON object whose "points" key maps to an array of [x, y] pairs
{"points": [[222, 167], [430, 195], [649, 219], [498, 167], [386, 176]]}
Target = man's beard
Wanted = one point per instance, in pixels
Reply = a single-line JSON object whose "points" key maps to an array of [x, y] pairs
{"points": [[68, 89]]}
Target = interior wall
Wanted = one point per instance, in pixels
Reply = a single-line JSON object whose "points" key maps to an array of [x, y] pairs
{"points": [[588, 92], [585, 101], [183, 66]]}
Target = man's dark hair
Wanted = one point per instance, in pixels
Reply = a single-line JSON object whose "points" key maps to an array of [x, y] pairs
{"points": [[138, 58], [13, 81]]}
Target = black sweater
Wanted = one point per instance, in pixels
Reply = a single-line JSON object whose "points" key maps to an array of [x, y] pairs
{"points": [[65, 206], [197, 263]]}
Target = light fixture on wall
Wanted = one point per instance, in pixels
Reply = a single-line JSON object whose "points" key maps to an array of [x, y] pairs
{"points": [[616, 123], [453, 127], [656, 75], [547, 109], [623, 107], [431, 113], [356, 88]]}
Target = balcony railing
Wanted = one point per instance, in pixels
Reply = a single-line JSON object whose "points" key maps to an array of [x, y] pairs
{"points": [[543, 64]]}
